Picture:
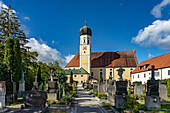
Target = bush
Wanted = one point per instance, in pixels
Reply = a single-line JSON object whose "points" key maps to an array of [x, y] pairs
{"points": [[168, 87], [96, 93], [102, 96], [131, 104], [67, 99], [164, 81], [137, 82]]}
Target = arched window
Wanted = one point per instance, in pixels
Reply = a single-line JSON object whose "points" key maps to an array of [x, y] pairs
{"points": [[88, 41], [101, 76]]}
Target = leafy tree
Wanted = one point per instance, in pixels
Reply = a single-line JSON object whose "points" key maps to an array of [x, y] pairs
{"points": [[17, 60], [9, 54]]}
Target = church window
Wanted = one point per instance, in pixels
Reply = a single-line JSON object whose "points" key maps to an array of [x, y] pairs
{"points": [[100, 69], [138, 76], [81, 81], [75, 75], [101, 76], [84, 51], [110, 69], [168, 72], [92, 74], [81, 75], [111, 73], [144, 75], [88, 41]]}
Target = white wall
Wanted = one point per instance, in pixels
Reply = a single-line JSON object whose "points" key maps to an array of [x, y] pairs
{"points": [[163, 74]]}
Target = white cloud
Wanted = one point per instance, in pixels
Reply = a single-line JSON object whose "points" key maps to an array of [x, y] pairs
{"points": [[47, 54], [25, 29], [157, 34], [27, 18], [150, 55], [156, 11], [53, 42]]}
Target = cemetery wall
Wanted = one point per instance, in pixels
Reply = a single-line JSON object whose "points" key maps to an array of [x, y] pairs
{"points": [[162, 74]]}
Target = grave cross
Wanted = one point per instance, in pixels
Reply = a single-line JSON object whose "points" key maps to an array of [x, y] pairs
{"points": [[120, 72], [153, 72], [22, 75]]}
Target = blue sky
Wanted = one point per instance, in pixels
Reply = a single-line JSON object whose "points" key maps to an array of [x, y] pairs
{"points": [[54, 25]]}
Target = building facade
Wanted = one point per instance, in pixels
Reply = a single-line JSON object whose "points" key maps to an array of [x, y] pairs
{"points": [[99, 66], [143, 71]]}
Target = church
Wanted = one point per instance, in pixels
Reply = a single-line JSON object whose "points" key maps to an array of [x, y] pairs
{"points": [[99, 66]]}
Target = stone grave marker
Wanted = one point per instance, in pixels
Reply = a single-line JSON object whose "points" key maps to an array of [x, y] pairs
{"points": [[163, 92], [2, 96], [95, 87], [152, 100], [21, 84], [53, 87], [138, 90], [11, 93], [121, 90]]}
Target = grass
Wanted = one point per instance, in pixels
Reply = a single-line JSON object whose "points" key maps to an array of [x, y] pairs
{"points": [[164, 109], [107, 105]]}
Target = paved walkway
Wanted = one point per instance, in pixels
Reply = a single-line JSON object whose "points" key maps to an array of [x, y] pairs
{"points": [[86, 103]]}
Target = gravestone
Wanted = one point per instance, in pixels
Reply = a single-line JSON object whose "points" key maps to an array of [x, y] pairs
{"points": [[35, 97], [101, 87], [53, 87], [111, 89], [2, 96], [163, 92], [138, 90], [11, 93], [121, 90], [95, 87], [21, 84], [152, 100]]}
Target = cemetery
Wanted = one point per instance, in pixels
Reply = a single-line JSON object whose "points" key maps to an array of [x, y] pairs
{"points": [[99, 82]]}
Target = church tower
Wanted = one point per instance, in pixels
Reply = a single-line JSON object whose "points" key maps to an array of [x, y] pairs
{"points": [[85, 47]]}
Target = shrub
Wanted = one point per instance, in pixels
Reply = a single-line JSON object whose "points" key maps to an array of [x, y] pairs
{"points": [[96, 93], [164, 81], [137, 82], [168, 87], [67, 99], [102, 96], [131, 104]]}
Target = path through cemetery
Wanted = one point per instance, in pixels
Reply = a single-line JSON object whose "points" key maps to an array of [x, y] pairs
{"points": [[86, 103]]}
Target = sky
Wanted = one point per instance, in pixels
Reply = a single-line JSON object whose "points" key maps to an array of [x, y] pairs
{"points": [[117, 25]]}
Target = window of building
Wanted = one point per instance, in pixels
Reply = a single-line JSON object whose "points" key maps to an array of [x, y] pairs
{"points": [[138, 76], [156, 74], [101, 76], [88, 41], [139, 68], [168, 72], [81, 81], [75, 75], [81, 75], [111, 73], [144, 75], [84, 51], [110, 69], [144, 67], [133, 76], [100, 69], [84, 41], [92, 74]]}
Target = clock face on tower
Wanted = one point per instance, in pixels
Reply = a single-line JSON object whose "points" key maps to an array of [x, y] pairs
{"points": [[84, 48]]}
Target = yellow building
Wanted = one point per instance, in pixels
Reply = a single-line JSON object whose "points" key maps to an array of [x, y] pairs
{"points": [[87, 65]]}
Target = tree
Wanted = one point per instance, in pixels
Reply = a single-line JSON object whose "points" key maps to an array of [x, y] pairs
{"points": [[4, 72], [17, 60], [71, 77], [9, 54]]}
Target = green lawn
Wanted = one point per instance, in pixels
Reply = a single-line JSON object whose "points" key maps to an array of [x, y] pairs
{"points": [[164, 109]]}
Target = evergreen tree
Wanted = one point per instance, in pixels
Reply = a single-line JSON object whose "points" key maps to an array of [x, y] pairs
{"points": [[4, 72], [71, 77], [9, 54], [17, 60]]}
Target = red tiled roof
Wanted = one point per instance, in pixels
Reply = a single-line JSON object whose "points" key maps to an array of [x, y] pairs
{"points": [[159, 62], [108, 59]]}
